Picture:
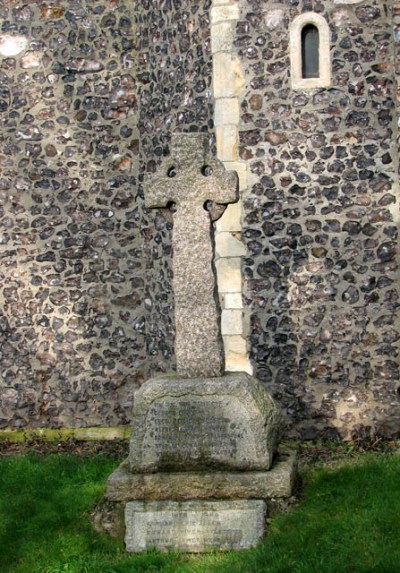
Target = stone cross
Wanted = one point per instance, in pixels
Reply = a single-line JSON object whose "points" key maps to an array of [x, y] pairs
{"points": [[191, 178]]}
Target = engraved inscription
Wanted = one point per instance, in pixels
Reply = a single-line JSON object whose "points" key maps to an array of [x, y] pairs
{"points": [[192, 534], [194, 526], [192, 429], [203, 424]]}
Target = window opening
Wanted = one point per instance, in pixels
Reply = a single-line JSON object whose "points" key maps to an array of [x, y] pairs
{"points": [[310, 51]]}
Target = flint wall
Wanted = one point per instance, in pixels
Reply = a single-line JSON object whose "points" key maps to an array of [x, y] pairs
{"points": [[89, 96], [71, 266], [320, 217], [86, 298]]}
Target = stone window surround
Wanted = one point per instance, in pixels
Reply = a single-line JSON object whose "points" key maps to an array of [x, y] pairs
{"points": [[324, 79]]}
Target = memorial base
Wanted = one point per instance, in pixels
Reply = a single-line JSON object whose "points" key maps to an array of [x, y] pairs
{"points": [[152, 510], [203, 424], [203, 466]]}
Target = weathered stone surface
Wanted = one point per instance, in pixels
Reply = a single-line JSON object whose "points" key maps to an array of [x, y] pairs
{"points": [[108, 517], [183, 424], [278, 482], [194, 526], [175, 90], [190, 177]]}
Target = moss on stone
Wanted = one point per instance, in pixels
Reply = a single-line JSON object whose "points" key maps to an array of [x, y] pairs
{"points": [[121, 433]]}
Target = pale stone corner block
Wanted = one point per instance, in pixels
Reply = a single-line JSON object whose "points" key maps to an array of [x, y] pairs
{"points": [[227, 142], [224, 12], [222, 35], [235, 345], [226, 111], [229, 276], [236, 359], [226, 245], [232, 300], [230, 220], [239, 366], [228, 78], [231, 322], [221, 2], [241, 170]]}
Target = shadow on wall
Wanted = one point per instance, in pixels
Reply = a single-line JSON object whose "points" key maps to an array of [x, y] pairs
{"points": [[323, 302]]}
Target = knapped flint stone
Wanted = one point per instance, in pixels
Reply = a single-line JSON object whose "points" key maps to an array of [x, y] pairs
{"points": [[182, 424], [194, 526], [277, 483]]}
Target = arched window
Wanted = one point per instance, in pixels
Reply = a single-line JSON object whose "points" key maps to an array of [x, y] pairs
{"points": [[310, 51]]}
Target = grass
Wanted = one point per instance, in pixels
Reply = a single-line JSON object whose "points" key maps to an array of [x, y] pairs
{"points": [[347, 522]]}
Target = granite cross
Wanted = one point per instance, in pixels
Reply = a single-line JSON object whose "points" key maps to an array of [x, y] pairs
{"points": [[191, 178]]}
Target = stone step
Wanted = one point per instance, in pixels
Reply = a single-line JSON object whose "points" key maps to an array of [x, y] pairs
{"points": [[277, 483]]}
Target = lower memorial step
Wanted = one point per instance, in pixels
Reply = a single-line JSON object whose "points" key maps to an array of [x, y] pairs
{"points": [[194, 526], [194, 511]]}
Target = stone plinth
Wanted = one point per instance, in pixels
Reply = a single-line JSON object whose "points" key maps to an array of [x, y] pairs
{"points": [[274, 487], [278, 483], [194, 526], [227, 423]]}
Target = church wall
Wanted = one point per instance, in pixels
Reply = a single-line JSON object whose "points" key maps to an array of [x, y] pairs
{"points": [[86, 297], [89, 96], [320, 217], [396, 36], [72, 279]]}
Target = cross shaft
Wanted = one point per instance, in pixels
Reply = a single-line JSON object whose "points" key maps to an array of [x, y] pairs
{"points": [[190, 178]]}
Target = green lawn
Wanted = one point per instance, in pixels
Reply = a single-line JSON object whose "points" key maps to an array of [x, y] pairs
{"points": [[348, 521]]}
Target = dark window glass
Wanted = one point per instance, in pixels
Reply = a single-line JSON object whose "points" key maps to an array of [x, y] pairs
{"points": [[310, 51]]}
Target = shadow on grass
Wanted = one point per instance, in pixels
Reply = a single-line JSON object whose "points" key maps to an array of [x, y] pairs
{"points": [[347, 522]]}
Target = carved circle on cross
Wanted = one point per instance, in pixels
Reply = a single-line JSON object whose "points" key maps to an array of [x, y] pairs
{"points": [[216, 210]]}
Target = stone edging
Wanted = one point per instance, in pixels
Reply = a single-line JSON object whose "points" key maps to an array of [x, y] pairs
{"points": [[81, 434]]}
